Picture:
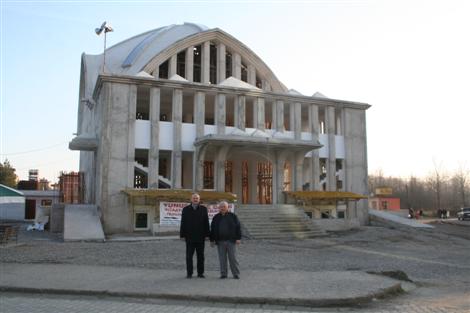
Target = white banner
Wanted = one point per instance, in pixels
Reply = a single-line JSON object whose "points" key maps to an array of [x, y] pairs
{"points": [[170, 212]]}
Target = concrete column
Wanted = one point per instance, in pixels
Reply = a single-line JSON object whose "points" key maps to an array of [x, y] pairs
{"points": [[205, 66], [297, 120], [177, 153], [299, 170], [258, 113], [198, 169], [219, 168], [240, 104], [315, 159], [131, 139], [291, 117], [172, 67], [237, 179], [275, 195], [154, 137], [279, 116], [199, 112], [251, 74], [331, 163], [265, 85], [156, 72], [278, 169], [189, 67], [221, 63], [220, 113], [237, 66]]}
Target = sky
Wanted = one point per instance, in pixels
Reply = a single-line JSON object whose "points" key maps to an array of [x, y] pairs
{"points": [[410, 60]]}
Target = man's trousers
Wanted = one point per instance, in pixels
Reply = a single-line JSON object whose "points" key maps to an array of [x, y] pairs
{"points": [[227, 249], [190, 248]]}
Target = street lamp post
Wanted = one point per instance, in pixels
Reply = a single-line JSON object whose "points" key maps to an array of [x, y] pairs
{"points": [[104, 28]]}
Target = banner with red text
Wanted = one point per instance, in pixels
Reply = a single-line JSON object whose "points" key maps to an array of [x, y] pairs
{"points": [[170, 212]]}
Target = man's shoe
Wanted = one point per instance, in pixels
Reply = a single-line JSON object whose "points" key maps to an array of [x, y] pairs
{"points": [[223, 276], [236, 277], [201, 276], [189, 276]]}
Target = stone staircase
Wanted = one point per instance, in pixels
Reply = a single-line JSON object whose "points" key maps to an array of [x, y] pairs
{"points": [[279, 221]]}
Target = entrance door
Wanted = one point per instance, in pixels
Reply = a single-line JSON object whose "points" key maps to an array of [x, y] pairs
{"points": [[30, 210], [265, 183]]}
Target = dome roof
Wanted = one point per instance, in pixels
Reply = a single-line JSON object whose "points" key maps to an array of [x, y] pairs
{"points": [[137, 55]]}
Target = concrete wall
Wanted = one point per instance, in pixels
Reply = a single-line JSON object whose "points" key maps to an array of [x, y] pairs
{"points": [[355, 142], [117, 151], [57, 218]]}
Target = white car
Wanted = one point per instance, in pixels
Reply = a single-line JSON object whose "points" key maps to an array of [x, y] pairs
{"points": [[463, 214]]}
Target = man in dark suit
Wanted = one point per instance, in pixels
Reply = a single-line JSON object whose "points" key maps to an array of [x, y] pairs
{"points": [[194, 230]]}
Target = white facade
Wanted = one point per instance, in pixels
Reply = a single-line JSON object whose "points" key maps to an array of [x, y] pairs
{"points": [[186, 107]]}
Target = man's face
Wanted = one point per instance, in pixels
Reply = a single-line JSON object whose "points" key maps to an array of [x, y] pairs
{"points": [[195, 199], [223, 208]]}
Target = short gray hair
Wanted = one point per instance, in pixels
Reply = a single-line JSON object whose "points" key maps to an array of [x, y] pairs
{"points": [[223, 202]]}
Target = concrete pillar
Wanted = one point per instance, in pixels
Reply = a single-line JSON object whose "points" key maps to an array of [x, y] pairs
{"points": [[172, 67], [219, 168], [199, 112], [265, 85], [176, 155], [299, 170], [237, 66], [156, 72], [258, 113], [220, 113], [251, 74], [131, 135], [297, 120], [240, 104], [279, 116], [331, 163], [278, 173], [154, 137], [198, 169], [205, 60], [315, 159], [275, 195], [291, 117], [221, 63], [189, 68]]}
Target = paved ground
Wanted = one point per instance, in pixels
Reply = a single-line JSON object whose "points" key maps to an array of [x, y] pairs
{"points": [[435, 260]]}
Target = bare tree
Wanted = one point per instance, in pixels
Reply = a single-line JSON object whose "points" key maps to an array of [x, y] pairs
{"points": [[461, 180], [436, 181]]}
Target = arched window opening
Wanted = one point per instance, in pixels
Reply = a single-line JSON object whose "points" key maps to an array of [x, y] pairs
{"points": [[163, 70], [197, 64], [213, 64], [181, 63]]}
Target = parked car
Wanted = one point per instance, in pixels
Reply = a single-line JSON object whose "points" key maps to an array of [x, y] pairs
{"points": [[463, 214]]}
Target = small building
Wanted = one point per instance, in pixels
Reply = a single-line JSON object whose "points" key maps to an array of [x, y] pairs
{"points": [[384, 203], [36, 200], [12, 204]]}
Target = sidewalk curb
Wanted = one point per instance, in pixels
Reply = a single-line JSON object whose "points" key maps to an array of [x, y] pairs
{"points": [[382, 293]]}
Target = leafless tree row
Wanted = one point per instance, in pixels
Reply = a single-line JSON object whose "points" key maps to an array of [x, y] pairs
{"points": [[438, 190]]}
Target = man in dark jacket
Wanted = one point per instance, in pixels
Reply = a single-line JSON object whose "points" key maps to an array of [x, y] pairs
{"points": [[226, 233], [194, 229]]}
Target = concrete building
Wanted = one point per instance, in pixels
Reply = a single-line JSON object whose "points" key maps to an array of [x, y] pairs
{"points": [[187, 107]]}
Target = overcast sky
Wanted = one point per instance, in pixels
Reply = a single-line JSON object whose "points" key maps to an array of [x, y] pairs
{"points": [[409, 59]]}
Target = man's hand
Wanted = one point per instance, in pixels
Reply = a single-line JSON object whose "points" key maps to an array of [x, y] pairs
{"points": [[238, 242]]}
